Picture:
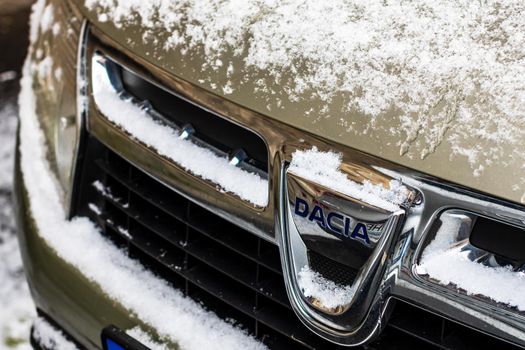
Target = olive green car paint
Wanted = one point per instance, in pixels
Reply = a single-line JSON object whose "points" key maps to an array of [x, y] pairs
{"points": [[502, 179]]}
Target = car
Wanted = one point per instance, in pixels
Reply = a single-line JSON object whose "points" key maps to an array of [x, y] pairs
{"points": [[249, 174]]}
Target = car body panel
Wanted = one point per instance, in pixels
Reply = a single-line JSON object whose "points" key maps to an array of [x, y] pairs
{"points": [[383, 137]]}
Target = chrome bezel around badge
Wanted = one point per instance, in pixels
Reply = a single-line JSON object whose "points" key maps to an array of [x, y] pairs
{"points": [[358, 320]]}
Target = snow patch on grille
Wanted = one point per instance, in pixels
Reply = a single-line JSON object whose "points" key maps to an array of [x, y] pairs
{"points": [[323, 168], [444, 261], [165, 140], [327, 293]]}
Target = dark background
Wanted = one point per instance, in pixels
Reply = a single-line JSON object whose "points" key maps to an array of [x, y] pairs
{"points": [[14, 17]]}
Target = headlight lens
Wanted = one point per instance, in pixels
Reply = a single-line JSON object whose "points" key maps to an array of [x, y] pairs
{"points": [[54, 67], [66, 139]]}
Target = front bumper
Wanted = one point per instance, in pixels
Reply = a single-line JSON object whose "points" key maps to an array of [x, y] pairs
{"points": [[59, 290]]}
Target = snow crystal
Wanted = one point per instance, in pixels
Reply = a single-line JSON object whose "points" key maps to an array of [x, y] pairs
{"points": [[50, 337], [124, 232], [323, 168], [445, 262], [44, 67], [182, 321], [106, 192], [442, 70], [166, 141], [329, 294]]}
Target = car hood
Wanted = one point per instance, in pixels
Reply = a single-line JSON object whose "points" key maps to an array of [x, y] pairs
{"points": [[435, 103]]}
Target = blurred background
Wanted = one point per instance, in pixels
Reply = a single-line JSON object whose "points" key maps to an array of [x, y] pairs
{"points": [[16, 309]]}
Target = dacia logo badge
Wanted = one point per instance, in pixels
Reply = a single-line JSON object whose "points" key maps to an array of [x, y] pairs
{"points": [[333, 236], [333, 221]]}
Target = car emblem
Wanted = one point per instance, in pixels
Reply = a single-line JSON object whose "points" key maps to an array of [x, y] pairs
{"points": [[334, 250]]}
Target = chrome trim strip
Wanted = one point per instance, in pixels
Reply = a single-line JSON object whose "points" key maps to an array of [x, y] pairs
{"points": [[82, 108], [228, 206], [484, 315], [110, 69]]}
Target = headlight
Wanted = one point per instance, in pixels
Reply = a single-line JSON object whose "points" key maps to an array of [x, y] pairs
{"points": [[54, 66]]}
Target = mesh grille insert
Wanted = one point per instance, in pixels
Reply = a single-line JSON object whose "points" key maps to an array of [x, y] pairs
{"points": [[331, 269]]}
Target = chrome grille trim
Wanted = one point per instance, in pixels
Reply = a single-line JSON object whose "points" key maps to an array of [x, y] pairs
{"points": [[109, 68]]}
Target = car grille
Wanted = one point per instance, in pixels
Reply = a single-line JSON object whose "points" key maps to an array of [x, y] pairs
{"points": [[227, 269]]}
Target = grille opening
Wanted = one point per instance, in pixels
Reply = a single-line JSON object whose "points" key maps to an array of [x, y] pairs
{"points": [[225, 268], [439, 331], [209, 127], [503, 240]]}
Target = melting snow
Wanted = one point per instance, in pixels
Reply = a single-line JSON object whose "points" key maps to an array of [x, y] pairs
{"points": [[145, 339], [445, 262], [323, 168], [47, 19]]}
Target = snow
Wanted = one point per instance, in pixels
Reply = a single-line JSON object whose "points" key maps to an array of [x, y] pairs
{"points": [[182, 320], [106, 192], [16, 306], [51, 338], [8, 132], [145, 339], [444, 71], [56, 29], [329, 294], [323, 168], [444, 261], [94, 208], [166, 141]]}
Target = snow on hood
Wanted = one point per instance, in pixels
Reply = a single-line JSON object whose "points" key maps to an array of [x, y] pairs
{"points": [[402, 80]]}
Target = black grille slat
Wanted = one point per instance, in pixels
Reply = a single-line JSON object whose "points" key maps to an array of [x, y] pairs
{"points": [[331, 269], [207, 252], [229, 270], [174, 208], [202, 276], [231, 238]]}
